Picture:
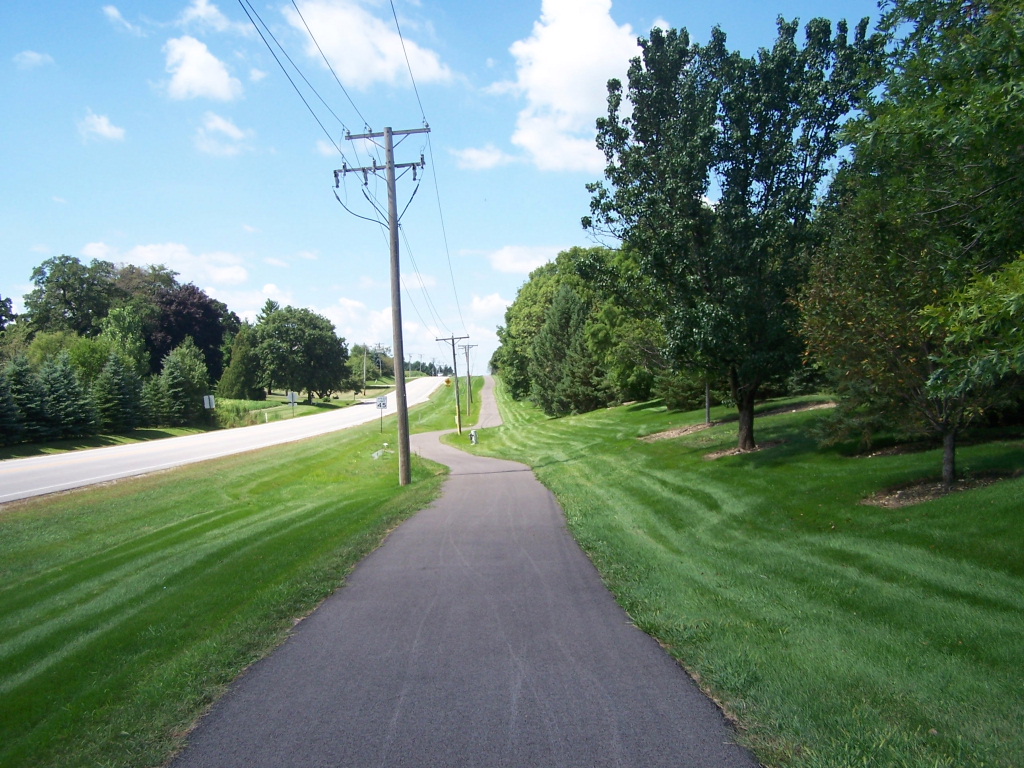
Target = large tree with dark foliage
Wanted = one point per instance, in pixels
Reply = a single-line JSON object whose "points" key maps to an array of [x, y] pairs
{"points": [[185, 311], [757, 133]]}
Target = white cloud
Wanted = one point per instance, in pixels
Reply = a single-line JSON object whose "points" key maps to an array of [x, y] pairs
{"points": [[219, 136], [206, 14], [563, 70], [100, 251], [521, 259], [32, 60], [195, 72], [115, 18], [207, 270], [99, 126], [481, 159], [492, 305], [363, 49], [248, 303], [255, 75], [413, 280], [354, 321]]}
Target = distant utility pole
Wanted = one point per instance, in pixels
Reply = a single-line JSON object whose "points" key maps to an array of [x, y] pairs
{"points": [[455, 368], [469, 378], [389, 168]]}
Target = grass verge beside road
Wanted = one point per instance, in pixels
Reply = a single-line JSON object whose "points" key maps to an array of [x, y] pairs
{"points": [[837, 634], [126, 609]]}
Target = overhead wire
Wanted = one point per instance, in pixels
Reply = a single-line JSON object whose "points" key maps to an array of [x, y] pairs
{"points": [[328, 63], [251, 12], [430, 149]]}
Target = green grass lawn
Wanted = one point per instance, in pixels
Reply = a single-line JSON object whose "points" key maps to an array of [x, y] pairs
{"points": [[837, 634], [126, 609]]}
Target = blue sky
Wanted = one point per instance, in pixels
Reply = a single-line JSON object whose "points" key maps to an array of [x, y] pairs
{"points": [[165, 132]]}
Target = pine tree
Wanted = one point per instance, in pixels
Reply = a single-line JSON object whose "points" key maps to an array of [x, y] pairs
{"points": [[154, 402], [11, 426], [241, 378], [117, 394], [27, 393], [68, 406], [185, 380]]}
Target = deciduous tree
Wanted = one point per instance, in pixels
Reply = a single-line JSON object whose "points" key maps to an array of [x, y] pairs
{"points": [[71, 296], [756, 133]]}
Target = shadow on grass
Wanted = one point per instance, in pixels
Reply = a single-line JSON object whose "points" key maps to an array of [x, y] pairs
{"points": [[28, 450]]}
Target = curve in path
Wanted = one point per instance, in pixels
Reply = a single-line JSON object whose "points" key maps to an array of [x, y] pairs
{"points": [[478, 635]]}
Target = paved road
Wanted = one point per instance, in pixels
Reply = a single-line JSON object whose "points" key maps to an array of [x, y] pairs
{"points": [[478, 635], [21, 478]]}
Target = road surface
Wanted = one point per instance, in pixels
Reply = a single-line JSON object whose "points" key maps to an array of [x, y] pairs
{"points": [[22, 478], [478, 635]]}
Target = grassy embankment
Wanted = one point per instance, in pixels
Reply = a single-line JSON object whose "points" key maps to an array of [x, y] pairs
{"points": [[837, 634], [126, 609]]}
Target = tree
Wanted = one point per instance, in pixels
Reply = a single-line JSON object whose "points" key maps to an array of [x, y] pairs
{"points": [[299, 349], [565, 376], [760, 133], [27, 393], [7, 315], [117, 395], [186, 311], [930, 203], [241, 378], [523, 320], [124, 329], [68, 408], [70, 296], [184, 380], [11, 423]]}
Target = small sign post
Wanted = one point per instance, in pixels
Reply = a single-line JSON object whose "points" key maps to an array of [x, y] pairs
{"points": [[382, 405], [208, 402], [293, 397]]}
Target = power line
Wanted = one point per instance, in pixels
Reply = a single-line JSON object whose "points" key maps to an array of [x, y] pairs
{"points": [[430, 148], [401, 39], [250, 12], [328, 63]]}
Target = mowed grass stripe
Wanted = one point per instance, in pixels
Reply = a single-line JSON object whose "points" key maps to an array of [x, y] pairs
{"points": [[838, 634], [127, 609], [89, 606]]}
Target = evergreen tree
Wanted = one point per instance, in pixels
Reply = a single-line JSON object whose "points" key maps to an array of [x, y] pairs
{"points": [[185, 381], [11, 426], [565, 375], [154, 402], [117, 394], [68, 407], [241, 378], [27, 393]]}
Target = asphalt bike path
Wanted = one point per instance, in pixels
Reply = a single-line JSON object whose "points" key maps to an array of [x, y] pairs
{"points": [[479, 634]]}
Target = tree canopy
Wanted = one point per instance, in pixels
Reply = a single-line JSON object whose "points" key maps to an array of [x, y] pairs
{"points": [[713, 170]]}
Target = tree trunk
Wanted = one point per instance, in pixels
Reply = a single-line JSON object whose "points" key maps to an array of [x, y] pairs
{"points": [[746, 431], [745, 397], [949, 458]]}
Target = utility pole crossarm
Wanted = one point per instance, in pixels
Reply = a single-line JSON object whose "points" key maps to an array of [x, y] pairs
{"points": [[389, 167]]}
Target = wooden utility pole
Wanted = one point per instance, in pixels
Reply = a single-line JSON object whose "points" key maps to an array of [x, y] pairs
{"points": [[389, 168], [455, 369], [469, 378]]}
